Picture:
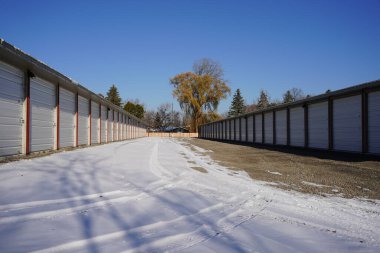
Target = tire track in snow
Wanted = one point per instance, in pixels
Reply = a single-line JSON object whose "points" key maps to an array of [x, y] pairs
{"points": [[24, 205]]}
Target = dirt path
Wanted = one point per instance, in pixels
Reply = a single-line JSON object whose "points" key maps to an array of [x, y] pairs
{"points": [[309, 172]]}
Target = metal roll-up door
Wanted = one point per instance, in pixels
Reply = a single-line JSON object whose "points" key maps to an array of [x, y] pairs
{"points": [[318, 120], [110, 126], [374, 122], [228, 130], [115, 127], [120, 123], [83, 127], [250, 128], [237, 129], [94, 122], [243, 132], [42, 114], [268, 128], [281, 127], [347, 124], [258, 128], [11, 104], [221, 130], [124, 128], [297, 126], [66, 118], [104, 123]]}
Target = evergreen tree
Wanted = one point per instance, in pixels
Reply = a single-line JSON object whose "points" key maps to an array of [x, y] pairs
{"points": [[288, 97], [135, 109], [113, 96], [237, 105], [263, 101]]}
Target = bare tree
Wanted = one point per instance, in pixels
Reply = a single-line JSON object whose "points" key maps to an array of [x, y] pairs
{"points": [[209, 67]]}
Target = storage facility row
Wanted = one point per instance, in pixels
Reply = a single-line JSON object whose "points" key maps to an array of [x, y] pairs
{"points": [[343, 120], [41, 109]]}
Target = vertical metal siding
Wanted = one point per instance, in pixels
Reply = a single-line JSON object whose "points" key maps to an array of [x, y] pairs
{"points": [[297, 127], [374, 122], [11, 99], [250, 128], [42, 112], [67, 118], [268, 125], [243, 129], [83, 126], [104, 124], [281, 130], [94, 122], [318, 125], [258, 128], [347, 123]]}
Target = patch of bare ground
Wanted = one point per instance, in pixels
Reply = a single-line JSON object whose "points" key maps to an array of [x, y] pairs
{"points": [[200, 169], [307, 171]]}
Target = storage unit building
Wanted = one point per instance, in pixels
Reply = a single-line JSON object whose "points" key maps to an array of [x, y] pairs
{"points": [[104, 124]]}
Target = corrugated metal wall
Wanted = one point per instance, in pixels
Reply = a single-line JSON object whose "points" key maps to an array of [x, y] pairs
{"points": [[345, 120]]}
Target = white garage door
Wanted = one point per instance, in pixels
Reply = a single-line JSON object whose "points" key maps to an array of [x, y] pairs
{"points": [[297, 126], [374, 122], [11, 99], [258, 128], [110, 126], [104, 123], [120, 120], [83, 127], [268, 128], [66, 118], [318, 125], [281, 128], [347, 124], [243, 131], [237, 130], [228, 129], [42, 112], [250, 128], [115, 127], [94, 122]]}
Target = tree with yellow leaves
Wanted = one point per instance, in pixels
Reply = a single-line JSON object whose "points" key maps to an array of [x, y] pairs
{"points": [[199, 92]]}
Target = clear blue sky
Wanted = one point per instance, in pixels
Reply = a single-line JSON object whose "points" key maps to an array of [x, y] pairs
{"points": [[138, 45]]}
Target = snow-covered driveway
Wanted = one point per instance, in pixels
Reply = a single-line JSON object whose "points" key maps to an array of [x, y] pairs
{"points": [[143, 196]]}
